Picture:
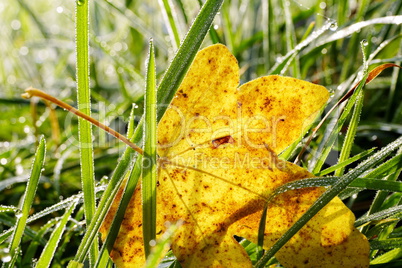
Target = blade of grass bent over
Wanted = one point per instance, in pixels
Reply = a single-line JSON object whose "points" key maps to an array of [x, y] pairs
{"points": [[29, 196]]}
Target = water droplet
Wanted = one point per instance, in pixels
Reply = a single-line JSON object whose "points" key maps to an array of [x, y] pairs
{"points": [[15, 25], [80, 2], [279, 59], [216, 26], [24, 51], [333, 26], [152, 243], [6, 258], [5, 255], [18, 215], [364, 42], [22, 119]]}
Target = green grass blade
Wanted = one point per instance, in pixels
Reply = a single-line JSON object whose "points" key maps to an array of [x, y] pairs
{"points": [[185, 55], [50, 248], [386, 258], [29, 196], [8, 209], [282, 64], [354, 122], [149, 175], [391, 167], [31, 252], [291, 38], [135, 22], [345, 163], [362, 183], [386, 244], [180, 5], [170, 23], [351, 132], [377, 184], [380, 215], [131, 123], [84, 105], [161, 246], [327, 144]]}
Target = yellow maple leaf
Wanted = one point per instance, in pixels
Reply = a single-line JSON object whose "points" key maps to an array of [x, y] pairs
{"points": [[219, 143]]}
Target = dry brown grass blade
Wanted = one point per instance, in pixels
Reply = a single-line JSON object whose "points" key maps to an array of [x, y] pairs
{"points": [[33, 92]]}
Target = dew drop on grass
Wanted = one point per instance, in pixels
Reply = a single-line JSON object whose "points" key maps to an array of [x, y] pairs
{"points": [[152, 243], [364, 42], [6, 258], [3, 161], [5, 255], [333, 26], [80, 2], [18, 215], [279, 59]]}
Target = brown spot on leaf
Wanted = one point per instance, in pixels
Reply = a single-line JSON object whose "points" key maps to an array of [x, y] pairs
{"points": [[218, 142]]}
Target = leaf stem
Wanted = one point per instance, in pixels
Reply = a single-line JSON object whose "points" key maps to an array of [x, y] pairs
{"points": [[30, 92]]}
